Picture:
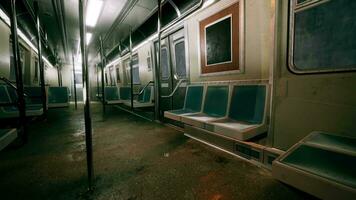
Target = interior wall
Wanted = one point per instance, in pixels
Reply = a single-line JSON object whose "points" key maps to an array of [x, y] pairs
{"points": [[306, 103], [4, 50], [257, 40], [51, 77]]}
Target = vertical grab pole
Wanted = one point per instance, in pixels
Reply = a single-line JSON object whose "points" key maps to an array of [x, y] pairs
{"points": [[97, 78], [40, 60], [86, 88], [158, 65], [74, 85], [103, 65], [18, 73], [131, 71]]}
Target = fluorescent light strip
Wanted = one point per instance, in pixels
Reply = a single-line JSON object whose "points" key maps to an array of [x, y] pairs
{"points": [[6, 19], [93, 12]]}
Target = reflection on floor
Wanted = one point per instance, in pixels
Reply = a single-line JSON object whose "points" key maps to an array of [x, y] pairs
{"points": [[133, 158]]}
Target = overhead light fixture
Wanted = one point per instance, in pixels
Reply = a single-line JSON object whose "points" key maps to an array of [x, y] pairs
{"points": [[93, 11], [89, 35]]}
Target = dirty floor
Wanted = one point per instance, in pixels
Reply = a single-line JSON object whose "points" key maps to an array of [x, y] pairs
{"points": [[133, 159]]}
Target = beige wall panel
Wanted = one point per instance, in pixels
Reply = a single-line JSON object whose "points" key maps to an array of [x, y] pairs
{"points": [[4, 50], [305, 103], [256, 44]]}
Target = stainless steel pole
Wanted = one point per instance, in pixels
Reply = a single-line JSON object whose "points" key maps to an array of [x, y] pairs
{"points": [[158, 65], [40, 61], [18, 72], [86, 88]]}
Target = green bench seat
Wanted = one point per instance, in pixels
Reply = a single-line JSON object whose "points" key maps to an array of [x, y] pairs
{"points": [[8, 95], [146, 99], [192, 103], [215, 107], [112, 95], [246, 118], [321, 164], [58, 97]]}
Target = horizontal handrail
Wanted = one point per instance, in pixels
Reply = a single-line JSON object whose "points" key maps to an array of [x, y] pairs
{"points": [[143, 89], [8, 82], [175, 89]]}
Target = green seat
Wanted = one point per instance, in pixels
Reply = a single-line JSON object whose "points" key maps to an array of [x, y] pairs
{"points": [[248, 103], [34, 95], [58, 97], [145, 99], [146, 96], [112, 95], [125, 93], [325, 161], [192, 103], [215, 106], [246, 113], [9, 95]]}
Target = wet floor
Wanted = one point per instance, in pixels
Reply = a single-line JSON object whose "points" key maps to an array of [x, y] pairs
{"points": [[133, 159]]}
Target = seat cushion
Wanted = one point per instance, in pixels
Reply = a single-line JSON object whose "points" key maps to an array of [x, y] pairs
{"points": [[198, 120], [236, 130], [176, 114]]}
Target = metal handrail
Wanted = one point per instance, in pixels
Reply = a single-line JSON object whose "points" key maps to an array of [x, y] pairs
{"points": [[143, 89], [175, 89], [9, 83]]}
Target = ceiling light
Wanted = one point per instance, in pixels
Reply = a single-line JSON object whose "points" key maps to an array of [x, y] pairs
{"points": [[93, 12], [88, 38]]}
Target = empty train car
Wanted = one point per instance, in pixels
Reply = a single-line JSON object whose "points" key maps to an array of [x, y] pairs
{"points": [[177, 99]]}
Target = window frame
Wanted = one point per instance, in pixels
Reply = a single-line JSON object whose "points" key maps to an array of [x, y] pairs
{"points": [[294, 7], [128, 74], [117, 71], [169, 64], [174, 44], [235, 11]]}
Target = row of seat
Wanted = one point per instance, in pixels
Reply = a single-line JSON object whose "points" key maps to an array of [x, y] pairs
{"points": [[122, 95], [231, 110], [57, 97]]}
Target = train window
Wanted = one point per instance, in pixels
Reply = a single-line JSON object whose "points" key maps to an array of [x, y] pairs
{"points": [[322, 36], [36, 66], [106, 78], [135, 70], [112, 76], [179, 49], [165, 63], [118, 80], [219, 43]]}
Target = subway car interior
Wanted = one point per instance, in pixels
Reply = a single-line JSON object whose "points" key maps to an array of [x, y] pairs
{"points": [[178, 99]]}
